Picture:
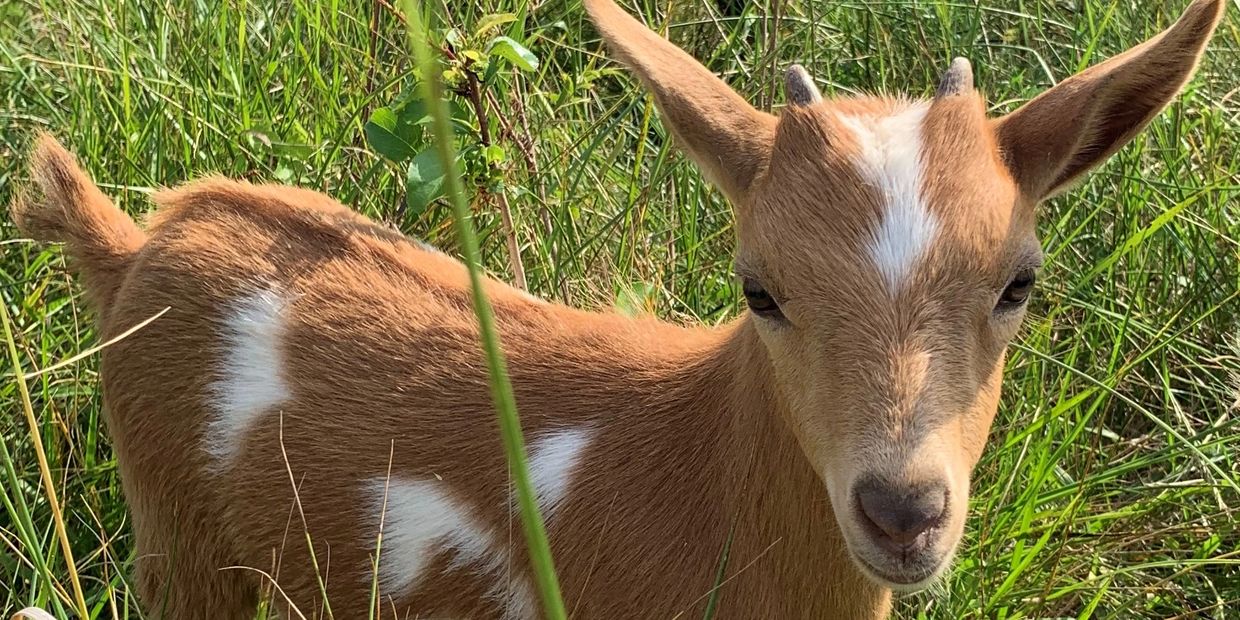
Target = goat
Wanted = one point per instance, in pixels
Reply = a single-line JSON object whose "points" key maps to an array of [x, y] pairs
{"points": [[318, 379]]}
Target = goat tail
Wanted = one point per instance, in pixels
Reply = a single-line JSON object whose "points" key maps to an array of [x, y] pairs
{"points": [[64, 205]]}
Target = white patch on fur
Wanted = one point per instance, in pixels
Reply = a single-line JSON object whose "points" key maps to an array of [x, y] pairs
{"points": [[891, 160], [553, 459], [250, 380], [517, 598], [422, 520]]}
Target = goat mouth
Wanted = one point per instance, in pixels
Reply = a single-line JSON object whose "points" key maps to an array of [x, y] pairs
{"points": [[910, 581]]}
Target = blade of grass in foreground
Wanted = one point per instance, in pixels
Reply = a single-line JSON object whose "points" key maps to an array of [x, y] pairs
{"points": [[501, 388], [44, 470]]}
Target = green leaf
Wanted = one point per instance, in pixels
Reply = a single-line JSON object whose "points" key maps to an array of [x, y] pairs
{"points": [[424, 182], [495, 154], [490, 21], [284, 174], [635, 300], [451, 76], [513, 52], [383, 136], [412, 112], [454, 36], [457, 111]]}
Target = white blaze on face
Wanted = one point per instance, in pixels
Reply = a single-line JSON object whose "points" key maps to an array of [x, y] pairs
{"points": [[250, 378], [890, 160]]}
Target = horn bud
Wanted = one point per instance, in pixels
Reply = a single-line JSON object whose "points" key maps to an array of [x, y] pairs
{"points": [[799, 87], [957, 80]]}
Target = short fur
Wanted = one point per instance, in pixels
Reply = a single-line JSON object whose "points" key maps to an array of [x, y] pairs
{"points": [[756, 432]]}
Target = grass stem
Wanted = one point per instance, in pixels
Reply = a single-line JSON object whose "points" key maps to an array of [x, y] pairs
{"points": [[45, 472], [501, 387]]}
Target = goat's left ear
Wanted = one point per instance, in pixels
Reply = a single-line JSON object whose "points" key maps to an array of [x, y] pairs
{"points": [[1071, 128]]}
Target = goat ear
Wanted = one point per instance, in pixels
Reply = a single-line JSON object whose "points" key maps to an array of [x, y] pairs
{"points": [[729, 139], [1071, 128]]}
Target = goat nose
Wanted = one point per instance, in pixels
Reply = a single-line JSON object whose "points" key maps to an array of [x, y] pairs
{"points": [[898, 515]]}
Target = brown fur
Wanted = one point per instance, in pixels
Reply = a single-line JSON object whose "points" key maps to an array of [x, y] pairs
{"points": [[753, 430], [68, 207]]}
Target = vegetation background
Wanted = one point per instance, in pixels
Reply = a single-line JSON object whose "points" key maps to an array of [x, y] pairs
{"points": [[1110, 489]]}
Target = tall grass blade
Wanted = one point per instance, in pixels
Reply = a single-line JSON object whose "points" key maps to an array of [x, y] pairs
{"points": [[501, 387], [712, 603], [45, 472]]}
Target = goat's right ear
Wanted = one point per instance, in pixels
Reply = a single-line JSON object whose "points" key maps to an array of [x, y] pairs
{"points": [[728, 138]]}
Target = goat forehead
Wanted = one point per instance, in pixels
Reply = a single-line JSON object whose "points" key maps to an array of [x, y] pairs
{"points": [[889, 159], [930, 164], [883, 190]]}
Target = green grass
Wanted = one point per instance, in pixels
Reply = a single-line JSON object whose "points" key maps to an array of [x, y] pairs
{"points": [[1109, 489]]}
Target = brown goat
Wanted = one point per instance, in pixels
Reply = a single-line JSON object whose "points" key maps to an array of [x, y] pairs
{"points": [[319, 374]]}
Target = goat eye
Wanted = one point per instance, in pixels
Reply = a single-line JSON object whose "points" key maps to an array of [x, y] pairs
{"points": [[1017, 291], [760, 301]]}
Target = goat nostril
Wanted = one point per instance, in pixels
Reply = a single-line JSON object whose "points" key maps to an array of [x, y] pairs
{"points": [[898, 515]]}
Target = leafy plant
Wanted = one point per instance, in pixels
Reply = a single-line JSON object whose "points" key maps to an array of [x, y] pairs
{"points": [[471, 64]]}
